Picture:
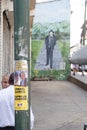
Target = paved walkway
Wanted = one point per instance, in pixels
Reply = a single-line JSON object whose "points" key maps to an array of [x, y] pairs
{"points": [[41, 60], [58, 105]]}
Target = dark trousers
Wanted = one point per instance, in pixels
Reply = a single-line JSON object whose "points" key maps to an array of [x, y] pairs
{"points": [[49, 57], [7, 128]]}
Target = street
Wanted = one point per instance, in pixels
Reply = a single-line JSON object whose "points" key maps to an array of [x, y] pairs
{"points": [[58, 105]]}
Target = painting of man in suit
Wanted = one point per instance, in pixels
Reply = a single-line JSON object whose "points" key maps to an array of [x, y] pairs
{"points": [[50, 41]]}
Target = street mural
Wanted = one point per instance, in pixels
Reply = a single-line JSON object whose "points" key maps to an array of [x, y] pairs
{"points": [[51, 41]]}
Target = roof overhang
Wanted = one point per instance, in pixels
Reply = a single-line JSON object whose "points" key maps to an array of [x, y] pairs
{"points": [[80, 57]]}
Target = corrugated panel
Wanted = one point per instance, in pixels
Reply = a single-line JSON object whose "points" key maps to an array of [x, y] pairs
{"points": [[80, 56]]}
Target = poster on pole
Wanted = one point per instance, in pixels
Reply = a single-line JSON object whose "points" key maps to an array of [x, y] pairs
{"points": [[21, 85]]}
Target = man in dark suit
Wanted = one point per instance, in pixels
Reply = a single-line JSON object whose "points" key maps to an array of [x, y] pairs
{"points": [[50, 42]]}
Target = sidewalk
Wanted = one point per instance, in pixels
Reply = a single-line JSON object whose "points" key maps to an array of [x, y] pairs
{"points": [[79, 80], [79, 76], [58, 105]]}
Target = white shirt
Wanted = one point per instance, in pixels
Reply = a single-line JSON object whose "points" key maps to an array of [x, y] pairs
{"points": [[6, 107], [7, 112], [31, 118]]}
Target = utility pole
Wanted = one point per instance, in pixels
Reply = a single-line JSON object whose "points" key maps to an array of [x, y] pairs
{"points": [[22, 64]]}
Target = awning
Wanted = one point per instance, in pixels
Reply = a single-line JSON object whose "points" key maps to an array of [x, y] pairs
{"points": [[80, 56]]}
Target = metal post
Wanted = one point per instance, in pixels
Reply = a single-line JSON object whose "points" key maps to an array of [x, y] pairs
{"points": [[22, 63], [84, 23], [85, 126]]}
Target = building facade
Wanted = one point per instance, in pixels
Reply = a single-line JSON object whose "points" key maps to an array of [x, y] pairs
{"points": [[7, 35]]}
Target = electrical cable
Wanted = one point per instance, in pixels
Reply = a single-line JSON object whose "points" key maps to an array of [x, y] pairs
{"points": [[47, 1]]}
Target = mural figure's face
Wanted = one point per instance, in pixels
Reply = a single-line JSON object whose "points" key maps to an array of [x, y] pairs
{"points": [[51, 33]]}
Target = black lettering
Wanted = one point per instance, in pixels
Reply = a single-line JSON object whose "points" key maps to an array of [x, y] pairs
{"points": [[20, 97], [19, 90]]}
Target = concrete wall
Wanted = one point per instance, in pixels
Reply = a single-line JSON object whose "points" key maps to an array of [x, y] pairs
{"points": [[7, 48], [1, 31], [7, 4]]}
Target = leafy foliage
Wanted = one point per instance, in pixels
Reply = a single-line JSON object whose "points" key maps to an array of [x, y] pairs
{"points": [[36, 47], [61, 29]]}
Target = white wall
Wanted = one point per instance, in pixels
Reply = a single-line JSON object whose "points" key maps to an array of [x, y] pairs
{"points": [[77, 20], [7, 4]]}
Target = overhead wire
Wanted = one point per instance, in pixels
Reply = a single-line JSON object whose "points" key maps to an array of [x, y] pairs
{"points": [[47, 1]]}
